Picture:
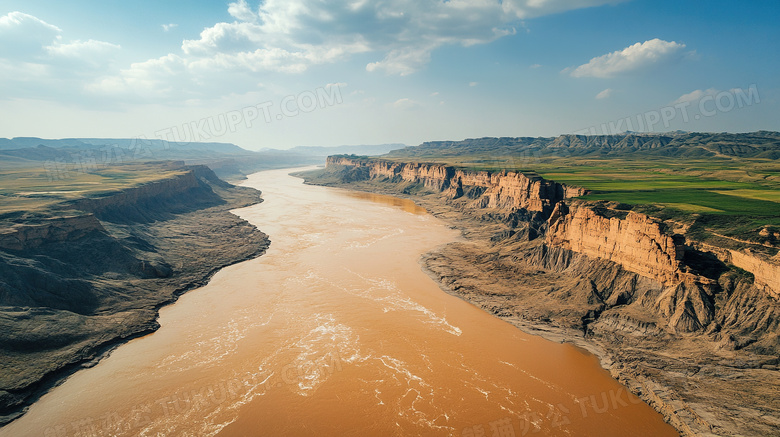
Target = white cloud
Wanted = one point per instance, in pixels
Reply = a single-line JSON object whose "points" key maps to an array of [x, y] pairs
{"points": [[525, 9], [473, 83], [241, 11], [406, 104], [535, 66], [294, 35], [23, 36], [150, 78], [402, 61], [632, 58], [40, 63], [695, 95], [604, 94], [288, 36], [82, 49]]}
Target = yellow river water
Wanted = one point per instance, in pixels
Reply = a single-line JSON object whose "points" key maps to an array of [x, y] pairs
{"points": [[336, 331]]}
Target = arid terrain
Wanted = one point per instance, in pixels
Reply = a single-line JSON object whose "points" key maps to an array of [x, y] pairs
{"points": [[83, 269], [688, 321]]}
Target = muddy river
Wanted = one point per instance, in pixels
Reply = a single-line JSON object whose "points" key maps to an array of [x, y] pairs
{"points": [[337, 331]]}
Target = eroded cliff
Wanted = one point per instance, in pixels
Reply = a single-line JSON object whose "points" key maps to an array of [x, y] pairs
{"points": [[693, 329], [73, 285], [27, 236], [635, 241], [501, 190]]}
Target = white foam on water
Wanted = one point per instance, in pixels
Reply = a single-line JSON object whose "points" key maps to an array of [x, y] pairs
{"points": [[218, 345], [386, 293], [419, 397]]}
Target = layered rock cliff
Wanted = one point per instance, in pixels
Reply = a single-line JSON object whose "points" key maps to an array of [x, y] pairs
{"points": [[501, 190], [765, 270], [131, 197], [28, 236], [635, 241]]}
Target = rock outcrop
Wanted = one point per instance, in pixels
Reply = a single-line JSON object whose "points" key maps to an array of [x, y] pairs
{"points": [[765, 270], [639, 244], [636, 242], [30, 236], [500, 190]]}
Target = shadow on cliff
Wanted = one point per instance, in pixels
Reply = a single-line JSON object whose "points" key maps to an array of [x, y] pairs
{"points": [[72, 287]]}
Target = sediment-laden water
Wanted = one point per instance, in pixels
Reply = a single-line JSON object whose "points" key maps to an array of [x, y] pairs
{"points": [[336, 331]]}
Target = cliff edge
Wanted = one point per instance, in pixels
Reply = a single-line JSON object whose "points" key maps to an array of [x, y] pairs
{"points": [[693, 329]]}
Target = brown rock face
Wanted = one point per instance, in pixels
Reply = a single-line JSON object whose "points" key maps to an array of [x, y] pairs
{"points": [[637, 242], [765, 271], [24, 236], [501, 190], [131, 196]]}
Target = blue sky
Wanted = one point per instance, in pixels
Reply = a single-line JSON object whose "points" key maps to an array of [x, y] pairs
{"points": [[282, 73]]}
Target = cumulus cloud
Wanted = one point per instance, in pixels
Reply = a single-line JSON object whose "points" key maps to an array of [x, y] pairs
{"points": [[240, 10], [150, 77], [169, 26], [25, 36], [632, 58], [288, 36], [294, 35], [695, 95], [604, 94], [39, 62], [82, 49]]}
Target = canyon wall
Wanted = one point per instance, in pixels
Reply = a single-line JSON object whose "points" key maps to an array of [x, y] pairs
{"points": [[72, 226], [636, 242], [162, 188], [29, 236], [765, 270], [502, 190]]}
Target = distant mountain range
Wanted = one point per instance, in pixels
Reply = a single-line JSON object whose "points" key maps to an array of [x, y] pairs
{"points": [[71, 144], [369, 150], [762, 144], [226, 159]]}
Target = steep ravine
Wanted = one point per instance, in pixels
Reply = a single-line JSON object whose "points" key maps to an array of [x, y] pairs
{"points": [[693, 330], [76, 285]]}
